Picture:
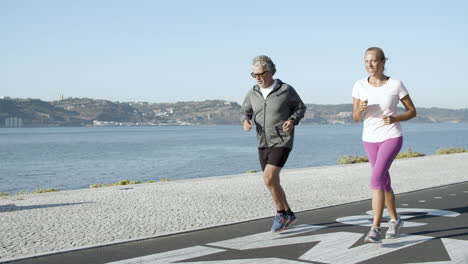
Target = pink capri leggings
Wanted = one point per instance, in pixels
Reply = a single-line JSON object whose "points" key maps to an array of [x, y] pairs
{"points": [[381, 156]]}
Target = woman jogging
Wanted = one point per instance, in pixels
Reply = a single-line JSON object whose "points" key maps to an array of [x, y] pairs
{"points": [[375, 100]]}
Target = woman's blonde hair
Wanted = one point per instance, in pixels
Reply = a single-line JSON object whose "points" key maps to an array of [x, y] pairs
{"points": [[380, 53]]}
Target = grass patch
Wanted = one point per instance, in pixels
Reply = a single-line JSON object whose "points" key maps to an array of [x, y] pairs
{"points": [[45, 190], [3, 194], [409, 154], [348, 159], [126, 182], [151, 181], [450, 150], [164, 179], [97, 185], [40, 191], [251, 171]]}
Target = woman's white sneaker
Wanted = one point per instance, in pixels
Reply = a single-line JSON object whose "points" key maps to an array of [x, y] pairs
{"points": [[394, 228], [374, 236]]}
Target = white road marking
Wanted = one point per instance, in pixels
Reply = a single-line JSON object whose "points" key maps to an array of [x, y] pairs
{"points": [[366, 220], [432, 212], [246, 261], [332, 247], [453, 194], [172, 256], [422, 201], [404, 204], [437, 197], [456, 249], [266, 239], [336, 248]]}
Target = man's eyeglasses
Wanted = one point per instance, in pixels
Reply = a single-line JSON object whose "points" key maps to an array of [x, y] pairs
{"points": [[255, 75]]}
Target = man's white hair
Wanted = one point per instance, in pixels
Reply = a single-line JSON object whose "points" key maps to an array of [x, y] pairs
{"points": [[265, 62]]}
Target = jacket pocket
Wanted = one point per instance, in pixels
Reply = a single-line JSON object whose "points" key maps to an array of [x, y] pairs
{"points": [[281, 139], [281, 135]]}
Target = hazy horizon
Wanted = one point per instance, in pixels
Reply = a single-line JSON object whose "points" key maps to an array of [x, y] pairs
{"points": [[173, 102]]}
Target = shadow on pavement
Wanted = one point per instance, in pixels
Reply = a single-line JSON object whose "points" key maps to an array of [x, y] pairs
{"points": [[13, 207]]}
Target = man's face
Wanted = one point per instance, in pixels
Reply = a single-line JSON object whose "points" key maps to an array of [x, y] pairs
{"points": [[264, 78]]}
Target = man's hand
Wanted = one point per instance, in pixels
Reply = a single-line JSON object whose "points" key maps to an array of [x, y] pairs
{"points": [[388, 120], [247, 125], [288, 126]]}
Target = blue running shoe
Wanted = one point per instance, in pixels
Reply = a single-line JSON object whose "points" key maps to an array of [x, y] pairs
{"points": [[279, 223], [291, 220]]}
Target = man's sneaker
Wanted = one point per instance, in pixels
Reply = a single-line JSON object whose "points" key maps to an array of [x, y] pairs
{"points": [[394, 228], [279, 222], [290, 221], [374, 235]]}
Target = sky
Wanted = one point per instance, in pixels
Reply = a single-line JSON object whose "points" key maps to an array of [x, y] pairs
{"points": [[181, 50]]}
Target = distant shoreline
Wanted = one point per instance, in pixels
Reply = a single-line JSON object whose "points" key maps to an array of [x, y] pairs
{"points": [[79, 112], [213, 125]]}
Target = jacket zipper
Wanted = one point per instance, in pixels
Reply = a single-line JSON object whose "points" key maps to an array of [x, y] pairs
{"points": [[264, 116], [264, 122], [264, 112]]}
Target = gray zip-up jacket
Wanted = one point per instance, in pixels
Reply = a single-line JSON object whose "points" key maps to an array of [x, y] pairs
{"points": [[268, 115]]}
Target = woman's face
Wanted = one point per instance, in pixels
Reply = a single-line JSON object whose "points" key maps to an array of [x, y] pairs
{"points": [[374, 65]]}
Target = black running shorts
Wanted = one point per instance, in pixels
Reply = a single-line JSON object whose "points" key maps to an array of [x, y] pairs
{"points": [[273, 156]]}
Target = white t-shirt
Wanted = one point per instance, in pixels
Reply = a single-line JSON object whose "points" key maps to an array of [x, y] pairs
{"points": [[382, 101], [267, 91]]}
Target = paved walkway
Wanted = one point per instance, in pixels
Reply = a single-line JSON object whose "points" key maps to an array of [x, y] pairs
{"points": [[434, 218], [39, 224]]}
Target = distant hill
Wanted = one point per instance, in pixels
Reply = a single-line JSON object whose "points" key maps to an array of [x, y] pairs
{"points": [[92, 112]]}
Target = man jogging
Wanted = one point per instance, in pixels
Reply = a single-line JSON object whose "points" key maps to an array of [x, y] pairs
{"points": [[275, 108]]}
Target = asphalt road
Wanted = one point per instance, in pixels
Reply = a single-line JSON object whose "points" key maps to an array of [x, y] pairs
{"points": [[436, 230]]}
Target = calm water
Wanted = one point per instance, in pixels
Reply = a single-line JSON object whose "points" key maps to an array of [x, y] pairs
{"points": [[73, 158]]}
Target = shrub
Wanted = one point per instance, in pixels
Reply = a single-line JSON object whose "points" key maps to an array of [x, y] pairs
{"points": [[164, 179], [97, 185], [450, 150], [3, 194], [39, 191], [43, 191], [409, 154], [124, 182], [134, 182], [348, 159], [251, 171]]}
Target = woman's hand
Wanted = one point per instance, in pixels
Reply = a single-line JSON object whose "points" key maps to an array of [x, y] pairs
{"points": [[363, 106], [359, 106], [388, 120]]}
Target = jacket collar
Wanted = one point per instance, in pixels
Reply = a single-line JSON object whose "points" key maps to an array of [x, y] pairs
{"points": [[279, 83]]}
